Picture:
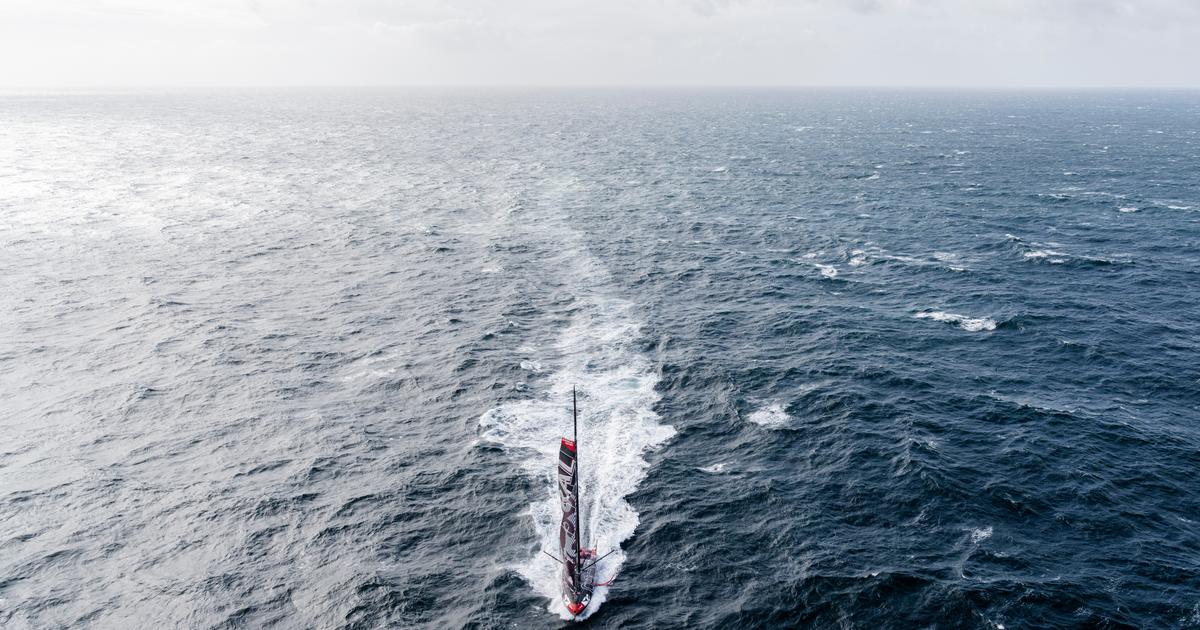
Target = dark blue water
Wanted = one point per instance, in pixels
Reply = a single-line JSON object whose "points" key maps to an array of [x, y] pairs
{"points": [[846, 359]]}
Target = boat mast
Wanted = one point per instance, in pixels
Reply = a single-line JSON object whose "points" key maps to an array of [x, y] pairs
{"points": [[578, 476]]}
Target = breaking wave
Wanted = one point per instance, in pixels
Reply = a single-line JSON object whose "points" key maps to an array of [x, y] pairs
{"points": [[772, 416], [980, 534], [827, 271], [972, 324]]}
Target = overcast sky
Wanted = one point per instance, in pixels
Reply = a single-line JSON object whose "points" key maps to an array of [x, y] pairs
{"points": [[1041, 43]]}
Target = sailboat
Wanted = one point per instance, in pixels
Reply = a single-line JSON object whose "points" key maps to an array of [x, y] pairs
{"points": [[578, 561]]}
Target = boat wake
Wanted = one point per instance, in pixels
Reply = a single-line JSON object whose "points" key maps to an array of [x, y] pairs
{"points": [[617, 426]]}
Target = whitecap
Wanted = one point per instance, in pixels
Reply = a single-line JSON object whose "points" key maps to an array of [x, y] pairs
{"points": [[829, 271], [1127, 209], [368, 374], [972, 324], [981, 534], [1038, 254], [715, 469], [771, 416], [531, 366]]}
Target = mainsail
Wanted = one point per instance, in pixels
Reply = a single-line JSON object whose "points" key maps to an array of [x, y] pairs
{"points": [[568, 531], [576, 579]]}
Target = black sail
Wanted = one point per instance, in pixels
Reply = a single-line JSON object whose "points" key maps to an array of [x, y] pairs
{"points": [[568, 532]]}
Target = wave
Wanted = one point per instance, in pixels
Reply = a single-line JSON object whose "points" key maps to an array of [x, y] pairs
{"points": [[1054, 257], [1051, 256], [972, 324], [369, 368], [1052, 253], [980, 534], [532, 366], [772, 416], [828, 271], [617, 426], [870, 254]]}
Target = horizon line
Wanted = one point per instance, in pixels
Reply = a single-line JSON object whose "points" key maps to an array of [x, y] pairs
{"points": [[602, 86]]}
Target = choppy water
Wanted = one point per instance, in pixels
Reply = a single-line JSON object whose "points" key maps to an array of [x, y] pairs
{"points": [[846, 359]]}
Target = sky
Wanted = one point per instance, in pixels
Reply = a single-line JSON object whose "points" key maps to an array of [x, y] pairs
{"points": [[933, 43]]}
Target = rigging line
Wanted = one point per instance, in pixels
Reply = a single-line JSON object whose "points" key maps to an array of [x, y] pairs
{"points": [[597, 560]]}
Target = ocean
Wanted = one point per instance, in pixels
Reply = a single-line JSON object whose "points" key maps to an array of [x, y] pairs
{"points": [[845, 358]]}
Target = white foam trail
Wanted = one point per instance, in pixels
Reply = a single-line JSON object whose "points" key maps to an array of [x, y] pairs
{"points": [[771, 416], [973, 324], [715, 469], [617, 426], [1127, 209]]}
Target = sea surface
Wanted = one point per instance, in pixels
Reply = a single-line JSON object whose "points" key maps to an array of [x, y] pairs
{"points": [[846, 359]]}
